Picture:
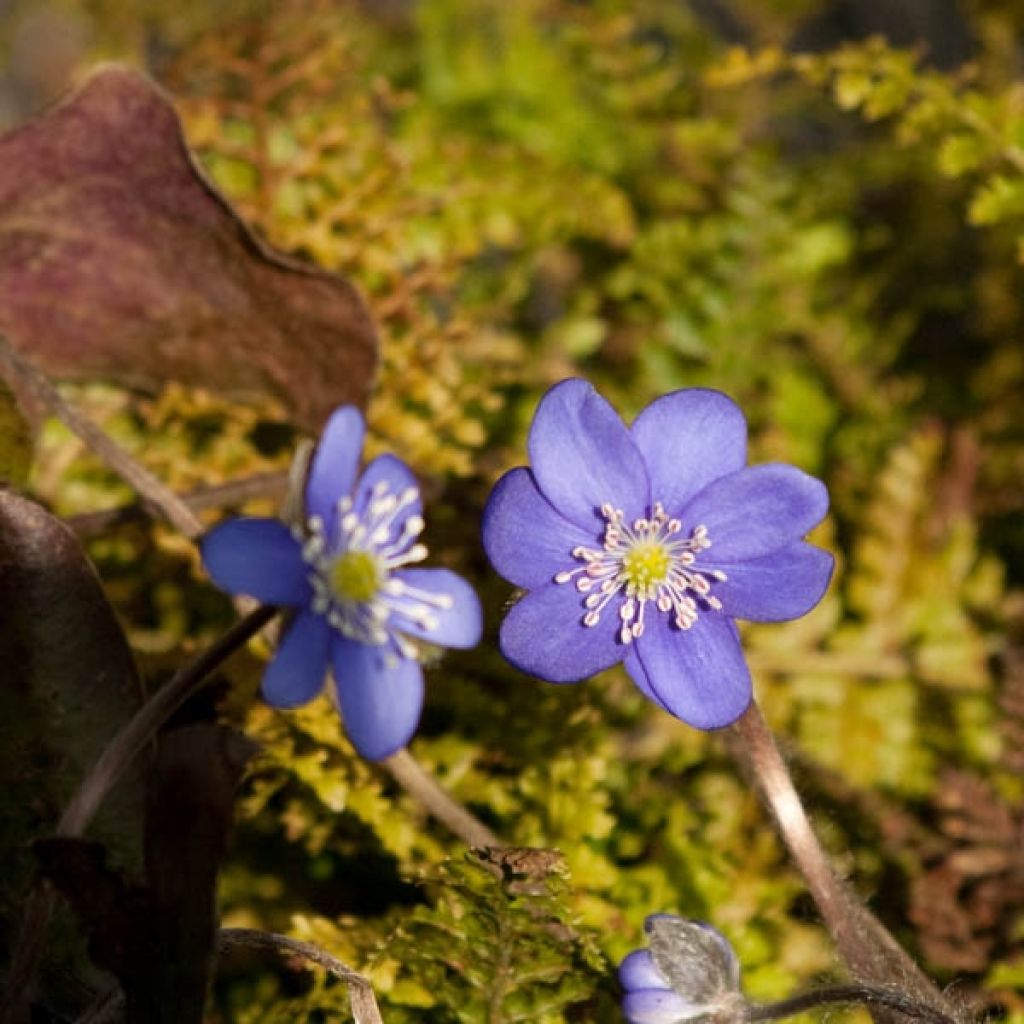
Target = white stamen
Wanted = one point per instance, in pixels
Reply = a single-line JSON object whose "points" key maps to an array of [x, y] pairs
{"points": [[610, 572], [373, 534]]}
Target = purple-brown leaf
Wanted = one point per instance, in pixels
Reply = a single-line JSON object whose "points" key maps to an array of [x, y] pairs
{"points": [[67, 685], [119, 261]]}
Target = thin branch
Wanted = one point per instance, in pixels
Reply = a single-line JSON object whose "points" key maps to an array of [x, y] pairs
{"points": [[869, 995], [109, 1008], [363, 1001], [422, 786], [154, 493], [260, 485], [123, 748], [116, 757], [867, 946]]}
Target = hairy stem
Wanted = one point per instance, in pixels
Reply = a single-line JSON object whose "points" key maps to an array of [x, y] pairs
{"points": [[871, 952], [116, 757], [868, 995], [154, 493], [416, 781]]}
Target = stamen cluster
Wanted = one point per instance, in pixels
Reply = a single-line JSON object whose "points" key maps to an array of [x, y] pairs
{"points": [[640, 562], [352, 577]]}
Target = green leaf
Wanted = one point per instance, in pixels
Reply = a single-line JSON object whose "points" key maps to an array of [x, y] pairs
{"points": [[961, 153], [1000, 198]]}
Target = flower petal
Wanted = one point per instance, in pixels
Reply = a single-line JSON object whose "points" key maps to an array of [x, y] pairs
{"points": [[656, 1006], [543, 634], [639, 676], [459, 624], [638, 971], [699, 673], [399, 479], [688, 439], [583, 456], [695, 959], [784, 585], [296, 672], [257, 557], [726, 960], [756, 511], [335, 461], [527, 541], [380, 694]]}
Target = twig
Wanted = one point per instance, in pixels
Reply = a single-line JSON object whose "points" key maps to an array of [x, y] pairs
{"points": [[116, 757], [363, 1001], [416, 781], [260, 485], [108, 1008], [869, 995], [154, 493], [869, 949]]}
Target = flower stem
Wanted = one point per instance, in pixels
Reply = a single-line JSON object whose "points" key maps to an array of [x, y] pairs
{"points": [[871, 952], [416, 781], [869, 995], [116, 757]]}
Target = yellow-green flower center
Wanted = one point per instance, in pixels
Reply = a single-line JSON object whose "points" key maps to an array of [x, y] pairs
{"points": [[645, 565], [356, 576]]}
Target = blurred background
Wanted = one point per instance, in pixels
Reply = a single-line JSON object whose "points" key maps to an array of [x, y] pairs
{"points": [[817, 207]]}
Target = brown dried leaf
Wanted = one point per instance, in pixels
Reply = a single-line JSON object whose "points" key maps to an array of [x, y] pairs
{"points": [[120, 261], [964, 905]]}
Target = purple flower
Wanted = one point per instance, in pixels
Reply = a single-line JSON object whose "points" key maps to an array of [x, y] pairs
{"points": [[690, 973], [642, 545], [358, 607]]}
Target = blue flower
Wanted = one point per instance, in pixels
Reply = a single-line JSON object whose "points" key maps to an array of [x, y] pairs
{"points": [[690, 973], [642, 545], [358, 606]]}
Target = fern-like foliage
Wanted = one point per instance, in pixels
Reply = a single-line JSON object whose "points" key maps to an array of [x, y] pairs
{"points": [[499, 944]]}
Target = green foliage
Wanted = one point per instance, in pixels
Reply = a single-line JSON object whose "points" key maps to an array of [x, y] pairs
{"points": [[498, 944], [976, 134]]}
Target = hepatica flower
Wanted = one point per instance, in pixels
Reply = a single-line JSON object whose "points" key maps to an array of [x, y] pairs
{"points": [[359, 607], [689, 973], [642, 545]]}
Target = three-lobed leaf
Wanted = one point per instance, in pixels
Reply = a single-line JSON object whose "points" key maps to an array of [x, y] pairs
{"points": [[120, 261]]}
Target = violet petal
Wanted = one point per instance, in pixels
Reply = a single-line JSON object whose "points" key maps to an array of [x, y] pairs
{"points": [[584, 457]]}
